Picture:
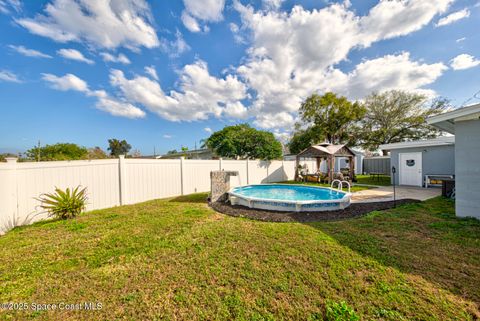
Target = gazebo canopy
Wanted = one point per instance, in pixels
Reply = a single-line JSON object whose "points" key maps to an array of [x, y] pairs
{"points": [[328, 152], [325, 150]]}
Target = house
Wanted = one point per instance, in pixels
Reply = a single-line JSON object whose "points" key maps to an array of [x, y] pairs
{"points": [[414, 160], [203, 153], [464, 123]]}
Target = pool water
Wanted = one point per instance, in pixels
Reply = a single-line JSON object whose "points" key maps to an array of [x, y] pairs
{"points": [[288, 192]]}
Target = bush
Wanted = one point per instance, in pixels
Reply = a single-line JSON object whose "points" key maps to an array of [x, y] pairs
{"points": [[64, 204], [340, 312]]}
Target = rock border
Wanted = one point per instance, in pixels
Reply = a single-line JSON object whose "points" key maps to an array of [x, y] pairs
{"points": [[353, 211]]}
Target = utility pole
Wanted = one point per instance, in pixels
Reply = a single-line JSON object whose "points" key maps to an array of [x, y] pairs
{"points": [[38, 151], [154, 152]]}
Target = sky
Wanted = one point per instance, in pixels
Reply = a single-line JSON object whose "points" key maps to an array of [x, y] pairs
{"points": [[165, 74]]}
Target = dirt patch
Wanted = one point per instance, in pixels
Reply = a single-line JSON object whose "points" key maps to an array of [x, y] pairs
{"points": [[354, 210]]}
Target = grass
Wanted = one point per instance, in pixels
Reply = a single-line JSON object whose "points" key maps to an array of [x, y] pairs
{"points": [[178, 259], [382, 180], [353, 188]]}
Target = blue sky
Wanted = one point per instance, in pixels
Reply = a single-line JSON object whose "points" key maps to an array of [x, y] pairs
{"points": [[167, 73]]}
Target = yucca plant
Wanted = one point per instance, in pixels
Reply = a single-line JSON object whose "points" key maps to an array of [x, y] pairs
{"points": [[64, 204]]}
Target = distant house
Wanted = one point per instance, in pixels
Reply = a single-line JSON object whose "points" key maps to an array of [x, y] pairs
{"points": [[464, 123], [203, 153], [414, 160]]}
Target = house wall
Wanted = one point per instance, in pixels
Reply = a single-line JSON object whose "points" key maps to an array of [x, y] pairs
{"points": [[467, 169], [435, 160]]}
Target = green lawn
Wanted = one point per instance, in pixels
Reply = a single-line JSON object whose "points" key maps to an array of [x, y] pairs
{"points": [[383, 180], [178, 259], [353, 188]]}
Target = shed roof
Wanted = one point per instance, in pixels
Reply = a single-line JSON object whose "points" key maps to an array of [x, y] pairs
{"points": [[439, 141], [446, 121]]}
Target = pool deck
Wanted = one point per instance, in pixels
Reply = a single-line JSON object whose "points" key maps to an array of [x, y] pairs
{"points": [[385, 193]]}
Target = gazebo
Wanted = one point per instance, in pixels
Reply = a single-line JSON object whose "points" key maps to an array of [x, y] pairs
{"points": [[328, 152]]}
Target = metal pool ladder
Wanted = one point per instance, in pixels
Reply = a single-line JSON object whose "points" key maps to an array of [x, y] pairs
{"points": [[340, 184]]}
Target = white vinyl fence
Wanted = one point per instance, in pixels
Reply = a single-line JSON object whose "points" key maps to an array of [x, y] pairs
{"points": [[120, 181]]}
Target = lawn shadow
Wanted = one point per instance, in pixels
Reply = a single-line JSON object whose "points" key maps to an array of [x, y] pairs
{"points": [[424, 239], [191, 198]]}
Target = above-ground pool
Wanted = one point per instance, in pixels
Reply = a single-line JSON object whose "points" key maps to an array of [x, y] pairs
{"points": [[283, 197]]}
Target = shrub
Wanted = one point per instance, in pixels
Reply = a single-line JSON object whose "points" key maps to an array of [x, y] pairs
{"points": [[64, 204], [340, 312]]}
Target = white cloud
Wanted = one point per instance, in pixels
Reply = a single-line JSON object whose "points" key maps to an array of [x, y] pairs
{"points": [[116, 107], [205, 11], [200, 95], [208, 130], [453, 17], [104, 102], [235, 110], [464, 61], [397, 72], [175, 47], [74, 55], [7, 5], [294, 54], [389, 19], [29, 52], [9, 76], [152, 72], [167, 136], [103, 24], [190, 22], [65, 83], [121, 58], [461, 39], [272, 4]]}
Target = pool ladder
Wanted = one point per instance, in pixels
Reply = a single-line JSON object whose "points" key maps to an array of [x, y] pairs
{"points": [[340, 184]]}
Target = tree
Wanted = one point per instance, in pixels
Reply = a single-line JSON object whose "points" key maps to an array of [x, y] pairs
{"points": [[96, 153], [173, 151], [117, 147], [243, 141], [57, 152], [396, 116], [332, 116], [304, 138]]}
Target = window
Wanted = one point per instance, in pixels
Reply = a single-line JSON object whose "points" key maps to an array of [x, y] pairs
{"points": [[410, 162]]}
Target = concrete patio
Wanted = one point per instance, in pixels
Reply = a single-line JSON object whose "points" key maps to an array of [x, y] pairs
{"points": [[385, 193]]}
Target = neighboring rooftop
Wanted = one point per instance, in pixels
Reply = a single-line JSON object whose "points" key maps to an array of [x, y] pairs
{"points": [[439, 141], [446, 121]]}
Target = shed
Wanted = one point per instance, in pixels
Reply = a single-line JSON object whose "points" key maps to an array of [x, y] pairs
{"points": [[464, 123], [414, 160], [329, 152]]}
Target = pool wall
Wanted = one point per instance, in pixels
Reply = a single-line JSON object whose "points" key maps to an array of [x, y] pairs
{"points": [[287, 205]]}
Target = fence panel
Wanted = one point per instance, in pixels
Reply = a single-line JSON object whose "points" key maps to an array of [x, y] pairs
{"points": [[196, 175], [380, 164], [148, 179], [236, 165], [121, 181]]}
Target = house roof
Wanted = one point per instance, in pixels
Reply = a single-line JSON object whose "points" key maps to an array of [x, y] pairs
{"points": [[440, 141], [446, 121]]}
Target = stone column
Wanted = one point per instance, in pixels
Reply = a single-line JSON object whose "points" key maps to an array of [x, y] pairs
{"points": [[220, 185]]}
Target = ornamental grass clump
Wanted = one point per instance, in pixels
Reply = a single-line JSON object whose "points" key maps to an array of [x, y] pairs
{"points": [[64, 204]]}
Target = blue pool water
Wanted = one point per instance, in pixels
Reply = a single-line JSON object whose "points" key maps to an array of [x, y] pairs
{"points": [[288, 192]]}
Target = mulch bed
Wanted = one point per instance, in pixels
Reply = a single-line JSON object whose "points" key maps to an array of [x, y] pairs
{"points": [[354, 210]]}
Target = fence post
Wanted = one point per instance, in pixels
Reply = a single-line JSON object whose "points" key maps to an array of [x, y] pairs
{"points": [[122, 171], [220, 163], [182, 170], [248, 174], [11, 191]]}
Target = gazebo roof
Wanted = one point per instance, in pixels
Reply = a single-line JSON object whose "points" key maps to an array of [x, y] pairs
{"points": [[325, 149]]}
